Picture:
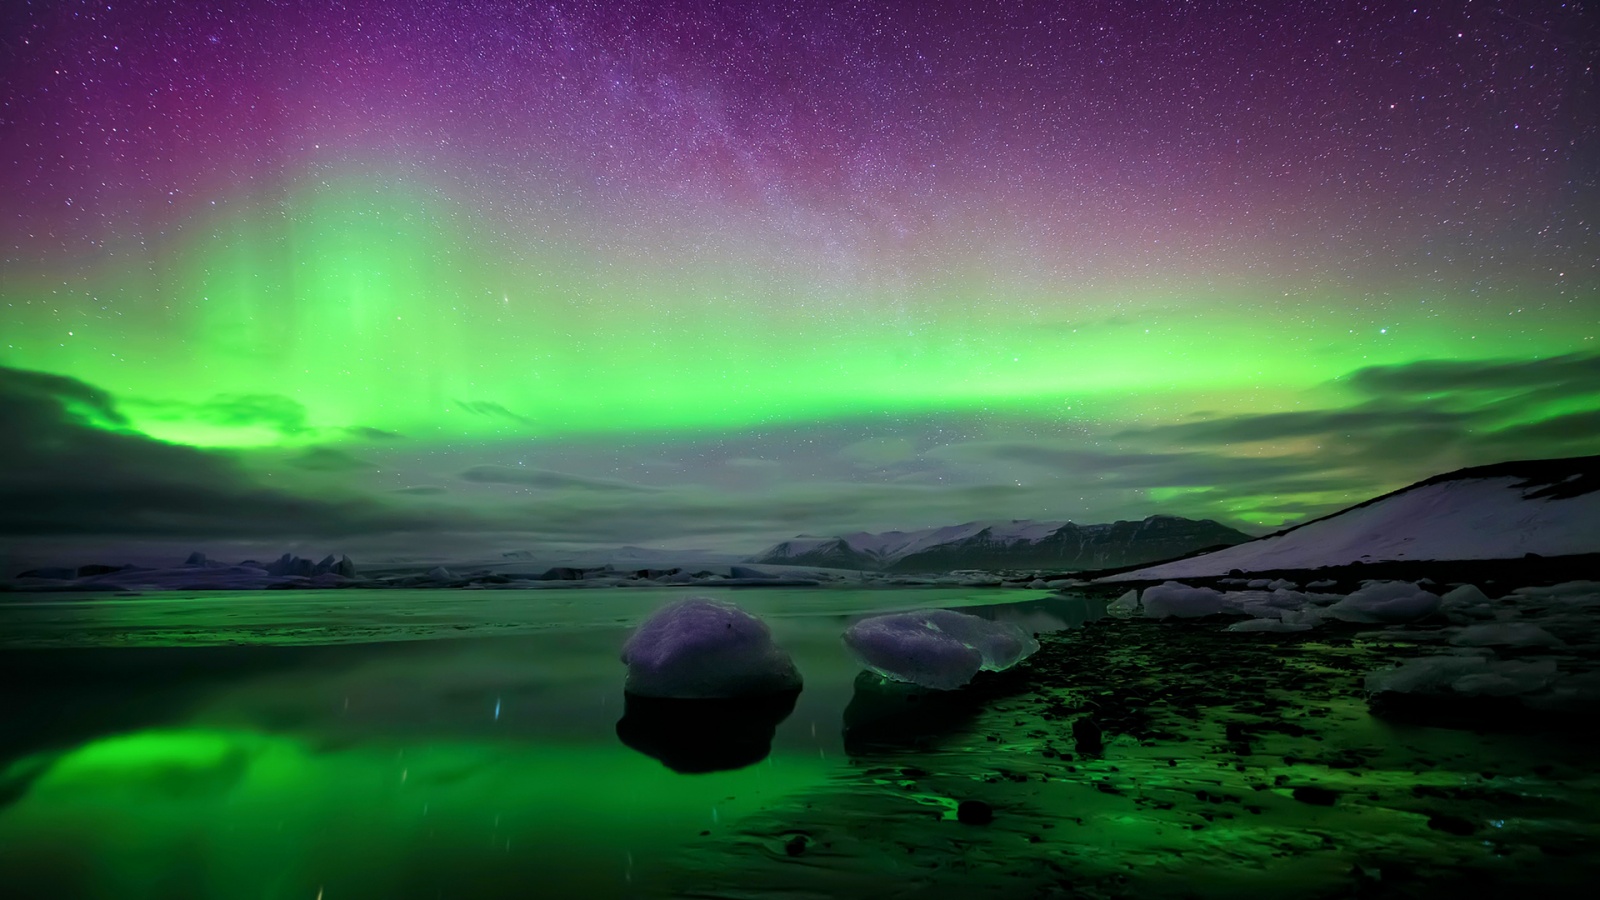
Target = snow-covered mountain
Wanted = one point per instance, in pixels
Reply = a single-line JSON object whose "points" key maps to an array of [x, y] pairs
{"points": [[1502, 511], [1015, 544]]}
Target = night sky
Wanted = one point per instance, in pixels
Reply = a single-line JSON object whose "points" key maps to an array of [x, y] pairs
{"points": [[497, 275]]}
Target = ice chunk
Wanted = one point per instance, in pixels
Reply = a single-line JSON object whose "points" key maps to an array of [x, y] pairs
{"points": [[1505, 679], [937, 649], [1269, 625], [1125, 606], [1466, 602], [1385, 601], [1568, 590], [706, 649], [1470, 675], [1426, 675], [1176, 599], [1505, 634]]}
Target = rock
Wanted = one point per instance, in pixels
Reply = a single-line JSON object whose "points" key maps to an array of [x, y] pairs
{"points": [[747, 572], [1451, 824], [974, 812], [1087, 737], [195, 559], [1316, 796]]}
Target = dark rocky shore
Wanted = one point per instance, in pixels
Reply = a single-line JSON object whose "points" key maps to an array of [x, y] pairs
{"points": [[1142, 759]]}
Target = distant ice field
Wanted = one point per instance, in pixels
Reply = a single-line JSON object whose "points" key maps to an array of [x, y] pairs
{"points": [[202, 618]]}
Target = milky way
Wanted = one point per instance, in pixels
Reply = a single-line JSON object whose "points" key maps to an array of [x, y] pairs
{"points": [[706, 274]]}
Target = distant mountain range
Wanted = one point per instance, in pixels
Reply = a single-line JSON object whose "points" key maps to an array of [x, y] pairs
{"points": [[1507, 511], [1015, 544]]}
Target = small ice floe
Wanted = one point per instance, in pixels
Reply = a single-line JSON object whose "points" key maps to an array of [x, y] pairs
{"points": [[1505, 634], [1125, 606], [1568, 592], [706, 649], [1281, 620], [1466, 675], [1464, 603], [1269, 625], [1383, 602], [1174, 599], [937, 649]]}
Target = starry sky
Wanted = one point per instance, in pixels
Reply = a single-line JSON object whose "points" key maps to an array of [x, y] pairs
{"points": [[498, 275]]}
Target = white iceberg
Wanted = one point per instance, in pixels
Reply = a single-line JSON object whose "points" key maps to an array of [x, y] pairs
{"points": [[1383, 602], [1505, 634], [1174, 599], [1466, 675], [937, 649], [706, 649]]}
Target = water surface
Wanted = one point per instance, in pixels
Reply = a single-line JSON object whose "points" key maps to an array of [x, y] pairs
{"points": [[384, 743]]}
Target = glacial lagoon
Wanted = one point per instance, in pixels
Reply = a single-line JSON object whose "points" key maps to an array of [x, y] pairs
{"points": [[412, 744]]}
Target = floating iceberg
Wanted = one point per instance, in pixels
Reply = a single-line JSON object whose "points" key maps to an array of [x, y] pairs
{"points": [[937, 649], [706, 649]]}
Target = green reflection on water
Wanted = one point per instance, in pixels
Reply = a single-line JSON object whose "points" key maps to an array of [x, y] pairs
{"points": [[206, 812]]}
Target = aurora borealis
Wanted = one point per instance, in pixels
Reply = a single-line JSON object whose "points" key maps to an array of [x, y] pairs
{"points": [[494, 274]]}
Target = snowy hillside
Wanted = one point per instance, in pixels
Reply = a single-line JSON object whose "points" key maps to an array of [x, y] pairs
{"points": [[1017, 544], [1503, 511]]}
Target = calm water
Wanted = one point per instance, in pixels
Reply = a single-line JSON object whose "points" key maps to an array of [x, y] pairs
{"points": [[393, 744]]}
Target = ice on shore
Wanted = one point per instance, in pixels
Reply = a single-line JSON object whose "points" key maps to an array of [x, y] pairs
{"points": [[1174, 599], [1467, 675], [1465, 603], [937, 649], [700, 648], [1386, 602], [1505, 634], [1125, 606]]}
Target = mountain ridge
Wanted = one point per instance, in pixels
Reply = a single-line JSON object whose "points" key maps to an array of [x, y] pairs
{"points": [[1005, 544], [1507, 510]]}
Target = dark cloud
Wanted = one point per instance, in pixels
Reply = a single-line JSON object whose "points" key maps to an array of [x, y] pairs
{"points": [[546, 479], [282, 414], [1423, 417], [1578, 429], [369, 433], [66, 468], [1304, 423], [1574, 374], [328, 459], [492, 410]]}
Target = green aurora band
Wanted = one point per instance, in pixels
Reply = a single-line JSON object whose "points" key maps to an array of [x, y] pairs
{"points": [[377, 306]]}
